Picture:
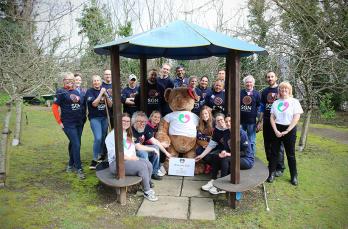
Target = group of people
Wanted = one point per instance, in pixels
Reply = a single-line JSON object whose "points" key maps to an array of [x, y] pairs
{"points": [[274, 111]]}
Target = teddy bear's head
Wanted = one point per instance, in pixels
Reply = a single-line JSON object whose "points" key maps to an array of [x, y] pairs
{"points": [[180, 99]]}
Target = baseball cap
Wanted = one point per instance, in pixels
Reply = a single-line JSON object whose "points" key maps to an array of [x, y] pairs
{"points": [[132, 77]]}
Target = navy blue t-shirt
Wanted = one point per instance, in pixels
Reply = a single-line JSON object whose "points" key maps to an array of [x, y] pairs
{"points": [[162, 85], [198, 104], [98, 111], [142, 137], [153, 98], [245, 147], [129, 93], [216, 101], [180, 82], [268, 96], [249, 106], [218, 137], [108, 87], [70, 106], [82, 92]]}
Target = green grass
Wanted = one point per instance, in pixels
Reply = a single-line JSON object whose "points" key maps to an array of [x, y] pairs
{"points": [[39, 194]]}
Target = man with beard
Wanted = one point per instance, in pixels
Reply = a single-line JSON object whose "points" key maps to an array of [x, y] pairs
{"points": [[268, 96], [216, 99], [181, 80], [151, 153], [107, 84], [153, 94]]}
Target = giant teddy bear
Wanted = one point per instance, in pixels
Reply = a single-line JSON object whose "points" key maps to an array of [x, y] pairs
{"points": [[178, 129]]}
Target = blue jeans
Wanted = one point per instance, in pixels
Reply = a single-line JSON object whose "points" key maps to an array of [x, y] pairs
{"points": [[152, 157], [74, 135], [99, 126], [251, 132]]}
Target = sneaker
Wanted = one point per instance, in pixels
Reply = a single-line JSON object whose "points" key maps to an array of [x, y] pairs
{"points": [[156, 177], [279, 173], [69, 169], [101, 158], [207, 186], [159, 173], [93, 165], [80, 174], [163, 170], [150, 195], [216, 191]]}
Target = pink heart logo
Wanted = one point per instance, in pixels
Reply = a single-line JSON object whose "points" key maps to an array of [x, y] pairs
{"points": [[282, 106]]}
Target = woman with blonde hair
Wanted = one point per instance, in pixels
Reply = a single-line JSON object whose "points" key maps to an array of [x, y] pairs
{"points": [[285, 114]]}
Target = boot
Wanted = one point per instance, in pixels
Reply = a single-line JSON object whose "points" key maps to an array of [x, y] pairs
{"points": [[294, 180], [271, 177]]}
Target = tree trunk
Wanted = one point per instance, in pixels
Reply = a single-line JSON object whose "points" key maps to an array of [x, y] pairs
{"points": [[18, 130], [3, 144], [304, 131]]}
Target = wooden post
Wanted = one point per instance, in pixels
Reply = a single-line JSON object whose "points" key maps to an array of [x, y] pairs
{"points": [[233, 63], [227, 90], [143, 89], [116, 104]]}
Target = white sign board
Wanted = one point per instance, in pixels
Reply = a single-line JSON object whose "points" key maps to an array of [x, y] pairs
{"points": [[181, 167]]}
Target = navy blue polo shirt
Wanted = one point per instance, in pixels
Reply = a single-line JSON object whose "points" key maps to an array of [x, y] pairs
{"points": [[216, 101], [100, 110], [249, 106], [268, 96], [70, 105]]}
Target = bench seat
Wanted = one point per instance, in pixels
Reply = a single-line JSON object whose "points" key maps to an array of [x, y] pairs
{"points": [[249, 178], [107, 178]]}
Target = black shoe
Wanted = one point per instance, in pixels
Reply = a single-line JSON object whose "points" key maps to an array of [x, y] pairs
{"points": [[156, 177], [101, 158], [152, 185], [93, 165], [294, 181], [279, 173], [271, 177]]}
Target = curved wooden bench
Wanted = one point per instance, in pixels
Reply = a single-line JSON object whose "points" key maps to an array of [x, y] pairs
{"points": [[107, 178], [249, 178]]}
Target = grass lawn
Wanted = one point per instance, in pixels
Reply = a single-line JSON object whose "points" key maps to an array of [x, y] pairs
{"points": [[39, 194]]}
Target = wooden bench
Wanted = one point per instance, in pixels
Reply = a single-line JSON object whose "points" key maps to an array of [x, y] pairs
{"points": [[107, 178], [249, 179]]}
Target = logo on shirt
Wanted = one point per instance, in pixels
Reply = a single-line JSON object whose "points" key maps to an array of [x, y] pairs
{"points": [[282, 106], [184, 118], [153, 93], [74, 98], [127, 143], [218, 101], [247, 100], [271, 97], [109, 91]]}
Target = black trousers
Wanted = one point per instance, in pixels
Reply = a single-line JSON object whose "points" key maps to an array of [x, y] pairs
{"points": [[289, 141], [268, 134], [223, 164]]}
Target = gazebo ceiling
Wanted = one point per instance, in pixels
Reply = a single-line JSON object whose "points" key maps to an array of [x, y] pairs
{"points": [[179, 40]]}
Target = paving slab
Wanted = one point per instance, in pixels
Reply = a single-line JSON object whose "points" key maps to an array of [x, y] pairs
{"points": [[166, 207], [205, 177], [193, 188], [168, 187], [202, 209], [168, 177]]}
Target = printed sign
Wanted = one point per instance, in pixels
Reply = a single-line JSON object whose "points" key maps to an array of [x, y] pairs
{"points": [[181, 167]]}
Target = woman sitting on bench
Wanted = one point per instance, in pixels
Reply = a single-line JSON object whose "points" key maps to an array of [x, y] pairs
{"points": [[134, 166]]}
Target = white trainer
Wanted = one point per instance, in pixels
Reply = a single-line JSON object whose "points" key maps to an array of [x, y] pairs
{"points": [[215, 191], [163, 170], [208, 186], [160, 173], [150, 195]]}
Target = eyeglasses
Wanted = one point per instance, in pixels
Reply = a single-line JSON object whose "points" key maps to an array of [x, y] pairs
{"points": [[140, 121]]}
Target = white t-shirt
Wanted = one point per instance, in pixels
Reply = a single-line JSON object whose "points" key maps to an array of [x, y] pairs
{"points": [[285, 109], [182, 123], [128, 146]]}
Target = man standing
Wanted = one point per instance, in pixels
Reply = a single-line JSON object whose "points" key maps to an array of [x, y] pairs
{"points": [[249, 105], [181, 80], [221, 75], [128, 95], [153, 94], [164, 81], [268, 96], [107, 84], [82, 91]]}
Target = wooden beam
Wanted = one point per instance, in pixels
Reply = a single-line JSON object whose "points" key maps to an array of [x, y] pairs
{"points": [[116, 104], [233, 63], [227, 90], [143, 89]]}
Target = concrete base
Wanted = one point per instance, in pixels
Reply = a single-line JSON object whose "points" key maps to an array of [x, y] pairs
{"points": [[202, 209]]}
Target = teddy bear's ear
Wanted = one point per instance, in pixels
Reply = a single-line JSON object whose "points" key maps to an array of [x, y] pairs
{"points": [[167, 93]]}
